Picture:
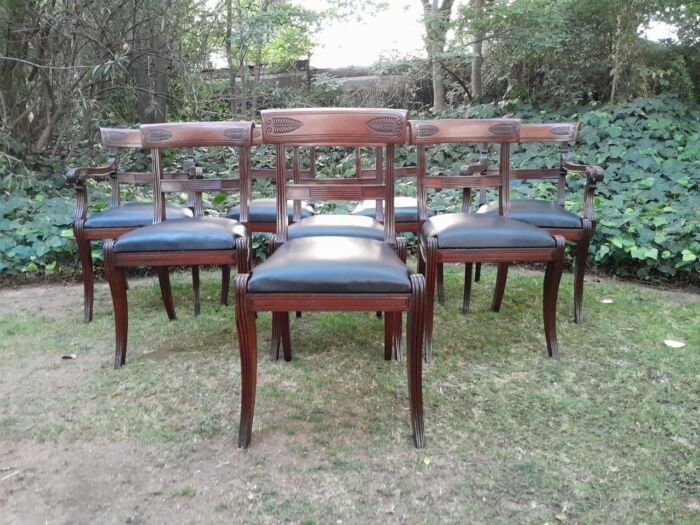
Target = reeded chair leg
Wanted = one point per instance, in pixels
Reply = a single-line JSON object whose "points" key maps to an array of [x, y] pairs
{"points": [[166, 291], [117, 287], [416, 320], [195, 288], [85, 256], [467, 287], [500, 288], [477, 273], [225, 280], [247, 344], [552, 278]]}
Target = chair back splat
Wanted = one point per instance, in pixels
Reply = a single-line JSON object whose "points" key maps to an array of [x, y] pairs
{"points": [[113, 139], [343, 127], [464, 131], [198, 134]]}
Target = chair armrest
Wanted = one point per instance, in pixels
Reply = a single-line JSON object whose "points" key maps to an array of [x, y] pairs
{"points": [[594, 175], [479, 166], [76, 176]]}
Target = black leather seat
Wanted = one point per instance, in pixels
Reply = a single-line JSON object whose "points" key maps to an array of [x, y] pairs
{"points": [[133, 215], [265, 210], [332, 265], [470, 230], [337, 225], [544, 214], [196, 233], [405, 209]]}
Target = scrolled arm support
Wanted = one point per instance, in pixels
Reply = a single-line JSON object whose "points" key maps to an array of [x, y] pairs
{"points": [[76, 177], [594, 175]]}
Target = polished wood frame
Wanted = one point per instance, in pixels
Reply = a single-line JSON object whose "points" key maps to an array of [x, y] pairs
{"points": [[565, 135], [332, 127], [163, 136], [475, 176]]}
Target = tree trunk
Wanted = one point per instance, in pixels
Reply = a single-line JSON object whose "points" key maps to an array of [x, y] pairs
{"points": [[477, 59], [438, 86], [616, 59], [229, 59], [436, 20], [161, 81]]}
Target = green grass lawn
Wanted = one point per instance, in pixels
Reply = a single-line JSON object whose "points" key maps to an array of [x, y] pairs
{"points": [[607, 434]]}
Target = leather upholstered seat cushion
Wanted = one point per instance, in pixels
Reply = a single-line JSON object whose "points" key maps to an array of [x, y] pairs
{"points": [[470, 230], [544, 214], [265, 210], [133, 215], [405, 209], [197, 233], [338, 225], [331, 265]]}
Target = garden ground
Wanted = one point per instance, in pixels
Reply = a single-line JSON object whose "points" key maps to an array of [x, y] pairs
{"points": [[608, 434]]}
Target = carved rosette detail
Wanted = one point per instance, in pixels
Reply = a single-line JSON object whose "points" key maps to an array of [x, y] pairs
{"points": [[562, 131], [158, 135], [389, 125], [237, 134], [503, 129], [282, 125], [426, 130]]}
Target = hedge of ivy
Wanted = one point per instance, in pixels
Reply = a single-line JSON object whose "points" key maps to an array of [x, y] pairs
{"points": [[648, 206]]}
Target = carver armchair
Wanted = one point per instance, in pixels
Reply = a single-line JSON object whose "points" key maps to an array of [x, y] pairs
{"points": [[552, 216], [119, 218], [468, 237], [337, 271], [193, 241]]}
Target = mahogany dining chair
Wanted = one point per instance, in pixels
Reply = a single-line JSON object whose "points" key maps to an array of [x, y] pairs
{"points": [[194, 241], [337, 271]]}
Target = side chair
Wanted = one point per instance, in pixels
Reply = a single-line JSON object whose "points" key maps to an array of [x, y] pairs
{"points": [[119, 218], [469, 237], [336, 271], [195, 241], [552, 216]]}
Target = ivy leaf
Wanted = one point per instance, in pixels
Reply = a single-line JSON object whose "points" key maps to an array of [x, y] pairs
{"points": [[688, 256]]}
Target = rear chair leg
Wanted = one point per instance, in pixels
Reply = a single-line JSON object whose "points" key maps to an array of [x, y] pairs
{"points": [[285, 336], [441, 283], [247, 344], [430, 282], [388, 335], [195, 287], [477, 273], [415, 366], [580, 270], [276, 338], [398, 336], [500, 288], [552, 277], [467, 287], [165, 291], [225, 280]]}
